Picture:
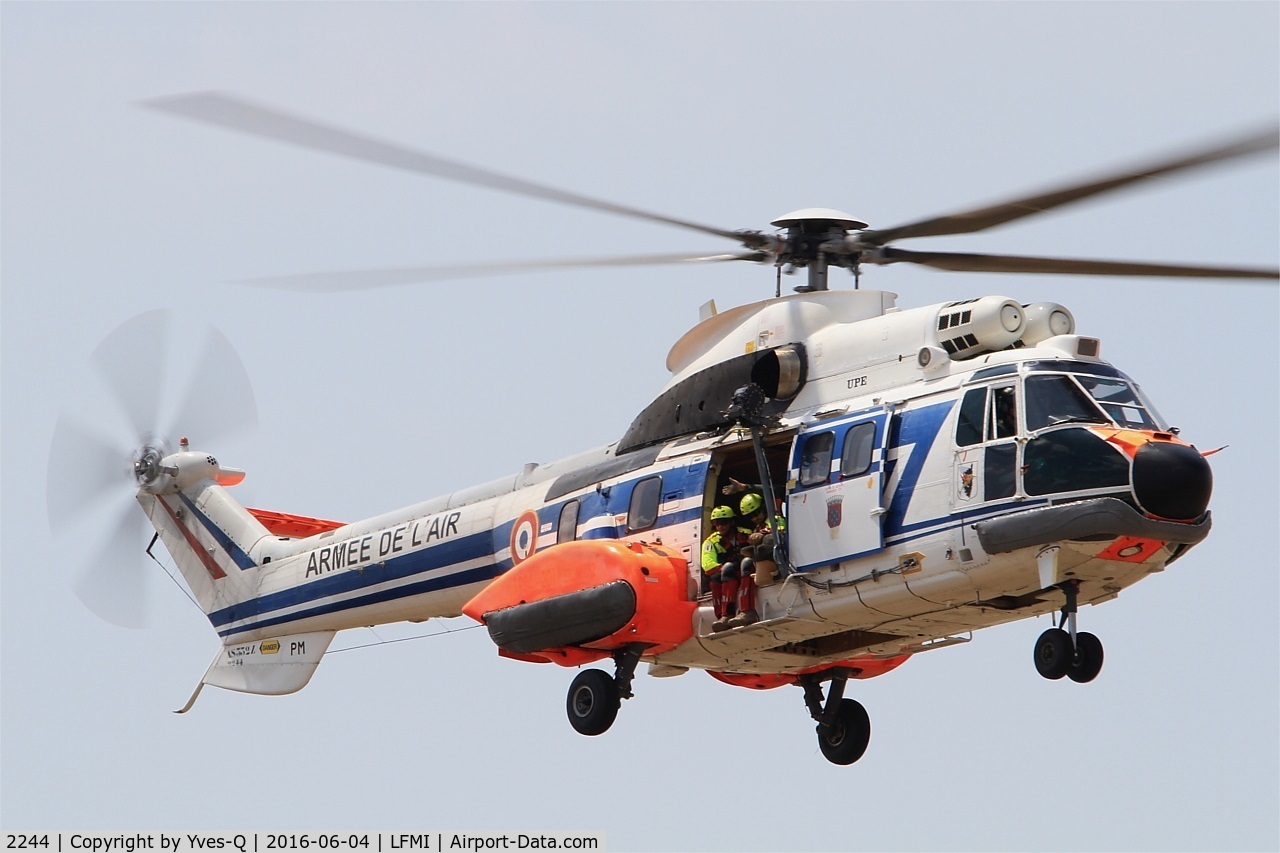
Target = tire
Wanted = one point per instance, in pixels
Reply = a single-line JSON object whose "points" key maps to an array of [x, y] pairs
{"points": [[592, 703], [845, 740], [1054, 654], [1087, 661]]}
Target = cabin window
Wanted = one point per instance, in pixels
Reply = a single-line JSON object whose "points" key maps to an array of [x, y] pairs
{"points": [[859, 442], [567, 527], [969, 424], [643, 512], [815, 462]]}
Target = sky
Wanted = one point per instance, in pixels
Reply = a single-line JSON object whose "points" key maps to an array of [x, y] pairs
{"points": [[729, 114]]}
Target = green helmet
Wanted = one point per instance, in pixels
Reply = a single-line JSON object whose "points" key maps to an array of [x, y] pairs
{"points": [[751, 503], [722, 512]]}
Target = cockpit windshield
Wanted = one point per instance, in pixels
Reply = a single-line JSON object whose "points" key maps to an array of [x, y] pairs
{"points": [[1053, 399], [1120, 401]]}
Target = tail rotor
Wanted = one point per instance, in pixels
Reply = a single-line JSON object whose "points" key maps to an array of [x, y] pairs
{"points": [[97, 464]]}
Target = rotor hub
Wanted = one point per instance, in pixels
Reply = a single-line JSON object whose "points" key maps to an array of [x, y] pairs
{"points": [[817, 238], [146, 464]]}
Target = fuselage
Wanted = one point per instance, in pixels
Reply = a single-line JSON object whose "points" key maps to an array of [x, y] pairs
{"points": [[941, 469]]}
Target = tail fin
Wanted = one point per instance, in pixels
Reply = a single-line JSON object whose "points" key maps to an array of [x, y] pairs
{"points": [[222, 550], [215, 541]]}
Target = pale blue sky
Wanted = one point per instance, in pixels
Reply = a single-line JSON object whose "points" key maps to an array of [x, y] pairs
{"points": [[729, 114]]}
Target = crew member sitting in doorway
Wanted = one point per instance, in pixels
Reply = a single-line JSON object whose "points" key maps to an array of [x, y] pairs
{"points": [[720, 560], [761, 541]]}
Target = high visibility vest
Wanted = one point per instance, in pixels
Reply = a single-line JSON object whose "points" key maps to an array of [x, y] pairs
{"points": [[715, 552], [766, 527]]}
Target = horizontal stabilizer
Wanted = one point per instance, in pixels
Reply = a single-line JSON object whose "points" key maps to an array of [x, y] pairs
{"points": [[271, 667], [293, 526]]}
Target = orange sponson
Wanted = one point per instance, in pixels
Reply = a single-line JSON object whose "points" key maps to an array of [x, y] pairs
{"points": [[865, 666], [663, 615], [293, 526]]}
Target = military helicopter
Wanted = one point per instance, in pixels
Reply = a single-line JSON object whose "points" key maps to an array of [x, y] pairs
{"points": [[910, 475]]}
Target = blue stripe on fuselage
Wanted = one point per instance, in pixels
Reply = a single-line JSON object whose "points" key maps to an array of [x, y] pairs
{"points": [[916, 429], [237, 554], [476, 546]]}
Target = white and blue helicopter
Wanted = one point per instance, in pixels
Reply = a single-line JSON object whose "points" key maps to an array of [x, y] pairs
{"points": [[928, 471]]}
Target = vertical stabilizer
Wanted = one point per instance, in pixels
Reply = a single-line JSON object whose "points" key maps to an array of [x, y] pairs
{"points": [[215, 541]]}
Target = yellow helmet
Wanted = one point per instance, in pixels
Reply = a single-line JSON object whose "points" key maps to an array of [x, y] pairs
{"points": [[722, 512], [751, 503]]}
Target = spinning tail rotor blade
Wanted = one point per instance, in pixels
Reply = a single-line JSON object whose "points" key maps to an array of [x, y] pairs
{"points": [[218, 400], [369, 279], [232, 113], [113, 584], [91, 481], [90, 491], [130, 361], [979, 219], [970, 262], [84, 469]]}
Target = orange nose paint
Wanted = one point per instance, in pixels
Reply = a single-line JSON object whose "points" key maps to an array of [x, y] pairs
{"points": [[1131, 549]]}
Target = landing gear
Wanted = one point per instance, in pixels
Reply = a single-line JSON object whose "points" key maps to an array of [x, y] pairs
{"points": [[1061, 652], [595, 696], [593, 702], [844, 728], [1054, 653], [1087, 662]]}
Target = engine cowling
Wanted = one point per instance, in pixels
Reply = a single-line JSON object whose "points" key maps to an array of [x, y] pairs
{"points": [[580, 601]]}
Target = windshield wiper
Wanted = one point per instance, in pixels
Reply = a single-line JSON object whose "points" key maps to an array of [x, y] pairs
{"points": [[1079, 419]]}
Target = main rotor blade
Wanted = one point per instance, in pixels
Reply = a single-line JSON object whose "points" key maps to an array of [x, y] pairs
{"points": [[969, 262], [967, 222], [368, 279], [233, 113]]}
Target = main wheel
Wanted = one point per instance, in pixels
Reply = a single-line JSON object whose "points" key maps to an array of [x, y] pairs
{"points": [[1086, 663], [846, 739], [1054, 654], [593, 702]]}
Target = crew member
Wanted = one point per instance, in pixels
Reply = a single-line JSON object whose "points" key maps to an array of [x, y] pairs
{"points": [[761, 525], [721, 551], [760, 550]]}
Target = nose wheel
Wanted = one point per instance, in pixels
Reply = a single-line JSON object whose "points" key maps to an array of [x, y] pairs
{"points": [[1059, 652]]}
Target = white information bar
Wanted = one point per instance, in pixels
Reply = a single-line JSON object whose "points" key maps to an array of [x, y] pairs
{"points": [[436, 841]]}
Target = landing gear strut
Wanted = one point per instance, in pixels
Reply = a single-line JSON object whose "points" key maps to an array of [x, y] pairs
{"points": [[594, 697], [1058, 652], [844, 728]]}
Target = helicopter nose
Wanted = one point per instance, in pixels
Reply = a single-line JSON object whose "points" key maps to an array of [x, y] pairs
{"points": [[1172, 480]]}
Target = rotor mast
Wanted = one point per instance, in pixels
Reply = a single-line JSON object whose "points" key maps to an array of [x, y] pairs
{"points": [[815, 237]]}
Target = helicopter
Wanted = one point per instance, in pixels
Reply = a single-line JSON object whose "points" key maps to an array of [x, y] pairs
{"points": [[904, 477]]}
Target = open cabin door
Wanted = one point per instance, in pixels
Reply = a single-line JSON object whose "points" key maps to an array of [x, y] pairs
{"points": [[834, 508]]}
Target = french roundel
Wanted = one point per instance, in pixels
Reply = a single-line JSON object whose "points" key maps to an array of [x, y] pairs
{"points": [[524, 537]]}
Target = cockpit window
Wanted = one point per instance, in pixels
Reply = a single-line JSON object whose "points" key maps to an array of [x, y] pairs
{"points": [[969, 421], [1119, 400], [1053, 399], [1002, 416], [1068, 460]]}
